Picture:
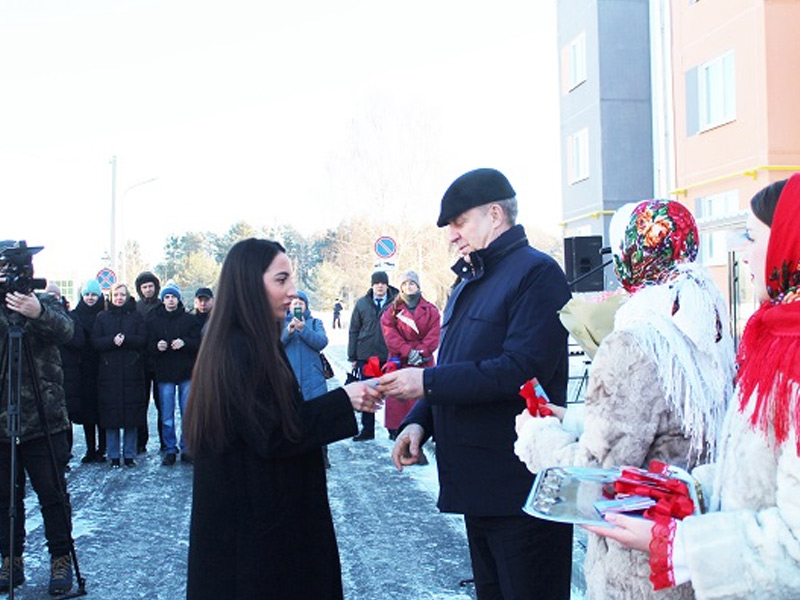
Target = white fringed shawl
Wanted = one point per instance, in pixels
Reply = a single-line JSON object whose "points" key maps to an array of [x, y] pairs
{"points": [[695, 370]]}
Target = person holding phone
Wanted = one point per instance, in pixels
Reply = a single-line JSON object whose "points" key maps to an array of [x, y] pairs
{"points": [[303, 338]]}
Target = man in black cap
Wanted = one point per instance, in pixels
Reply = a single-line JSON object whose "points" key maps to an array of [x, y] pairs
{"points": [[203, 303], [500, 328], [366, 338], [148, 288]]}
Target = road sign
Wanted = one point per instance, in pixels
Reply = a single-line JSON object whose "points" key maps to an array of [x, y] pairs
{"points": [[106, 277], [385, 265], [385, 247]]}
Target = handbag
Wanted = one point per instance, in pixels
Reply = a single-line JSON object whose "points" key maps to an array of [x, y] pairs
{"points": [[327, 369]]}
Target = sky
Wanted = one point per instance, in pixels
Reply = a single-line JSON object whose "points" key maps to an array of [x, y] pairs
{"points": [[263, 111]]}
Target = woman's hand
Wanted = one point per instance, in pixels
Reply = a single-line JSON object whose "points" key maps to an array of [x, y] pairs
{"points": [[363, 397], [631, 532]]}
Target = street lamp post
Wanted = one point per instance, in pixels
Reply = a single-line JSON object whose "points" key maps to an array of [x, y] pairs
{"points": [[124, 266]]}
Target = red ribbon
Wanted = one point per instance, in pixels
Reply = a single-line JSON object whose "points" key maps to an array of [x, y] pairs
{"points": [[372, 368], [671, 495], [537, 404]]}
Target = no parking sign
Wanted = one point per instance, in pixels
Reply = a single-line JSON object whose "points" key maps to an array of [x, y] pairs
{"points": [[106, 277]]}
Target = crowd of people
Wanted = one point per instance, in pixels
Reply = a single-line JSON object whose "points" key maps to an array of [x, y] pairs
{"points": [[250, 384]]}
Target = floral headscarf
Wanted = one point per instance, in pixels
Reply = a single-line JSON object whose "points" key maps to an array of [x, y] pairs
{"points": [[659, 235], [769, 355]]}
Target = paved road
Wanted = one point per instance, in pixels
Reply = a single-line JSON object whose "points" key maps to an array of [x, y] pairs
{"points": [[131, 526]]}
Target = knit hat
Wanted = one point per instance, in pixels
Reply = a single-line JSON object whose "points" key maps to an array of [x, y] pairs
{"points": [[91, 287], [409, 276], [472, 189], [172, 289], [380, 277]]}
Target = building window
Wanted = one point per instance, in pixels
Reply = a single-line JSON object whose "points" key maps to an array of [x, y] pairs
{"points": [[717, 91], [578, 156], [711, 94], [576, 58], [709, 209]]}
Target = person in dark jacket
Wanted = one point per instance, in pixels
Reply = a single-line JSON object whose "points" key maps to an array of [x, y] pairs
{"points": [[261, 525], [500, 328], [71, 353], [45, 326], [203, 303], [173, 336], [119, 336], [85, 411], [148, 288], [366, 338]]}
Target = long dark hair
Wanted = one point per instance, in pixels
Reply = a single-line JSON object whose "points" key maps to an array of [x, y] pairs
{"points": [[251, 382]]}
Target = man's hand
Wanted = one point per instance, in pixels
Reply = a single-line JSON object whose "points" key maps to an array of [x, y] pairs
{"points": [[27, 305], [407, 446], [119, 339], [162, 345], [405, 384], [177, 344]]}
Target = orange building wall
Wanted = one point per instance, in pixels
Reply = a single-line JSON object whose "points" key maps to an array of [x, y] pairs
{"points": [[782, 49]]}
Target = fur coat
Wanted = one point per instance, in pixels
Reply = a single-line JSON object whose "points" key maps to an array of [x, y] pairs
{"points": [[752, 549], [638, 408]]}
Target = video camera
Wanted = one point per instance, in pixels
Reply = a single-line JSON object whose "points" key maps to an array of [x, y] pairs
{"points": [[16, 266]]}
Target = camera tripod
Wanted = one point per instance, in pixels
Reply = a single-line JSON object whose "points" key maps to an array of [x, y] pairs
{"points": [[17, 351]]}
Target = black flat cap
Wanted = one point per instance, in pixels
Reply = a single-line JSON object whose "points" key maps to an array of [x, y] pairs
{"points": [[472, 189], [204, 293]]}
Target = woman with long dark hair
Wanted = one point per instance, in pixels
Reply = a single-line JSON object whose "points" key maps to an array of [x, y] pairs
{"points": [[748, 545], [261, 524]]}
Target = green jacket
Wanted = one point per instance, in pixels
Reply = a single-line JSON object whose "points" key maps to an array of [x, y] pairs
{"points": [[42, 336]]}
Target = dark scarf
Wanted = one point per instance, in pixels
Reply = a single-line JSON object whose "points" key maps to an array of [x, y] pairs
{"points": [[769, 355], [411, 300]]}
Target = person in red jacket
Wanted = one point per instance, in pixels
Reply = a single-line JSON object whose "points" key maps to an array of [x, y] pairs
{"points": [[411, 328]]}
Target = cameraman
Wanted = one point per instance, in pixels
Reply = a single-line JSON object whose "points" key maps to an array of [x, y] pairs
{"points": [[45, 326]]}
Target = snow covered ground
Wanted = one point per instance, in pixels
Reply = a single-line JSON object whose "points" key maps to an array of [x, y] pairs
{"points": [[131, 525]]}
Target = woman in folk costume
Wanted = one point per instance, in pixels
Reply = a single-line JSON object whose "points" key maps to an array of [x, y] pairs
{"points": [[659, 382], [748, 546], [411, 328]]}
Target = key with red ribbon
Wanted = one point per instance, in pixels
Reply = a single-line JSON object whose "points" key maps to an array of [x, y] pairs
{"points": [[536, 398]]}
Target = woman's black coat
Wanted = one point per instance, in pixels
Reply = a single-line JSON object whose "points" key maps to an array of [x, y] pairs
{"points": [[120, 381], [84, 410], [261, 524], [71, 355]]}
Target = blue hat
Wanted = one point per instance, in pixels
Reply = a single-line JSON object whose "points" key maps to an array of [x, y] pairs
{"points": [[170, 288], [91, 287]]}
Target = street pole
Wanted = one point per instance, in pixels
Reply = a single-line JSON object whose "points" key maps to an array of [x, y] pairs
{"points": [[113, 249], [124, 266]]}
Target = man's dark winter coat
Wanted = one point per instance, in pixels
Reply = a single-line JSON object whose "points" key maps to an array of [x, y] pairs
{"points": [[500, 328], [172, 366], [120, 381], [43, 336], [366, 336]]}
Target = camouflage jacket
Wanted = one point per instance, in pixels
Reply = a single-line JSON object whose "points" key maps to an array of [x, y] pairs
{"points": [[42, 336]]}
